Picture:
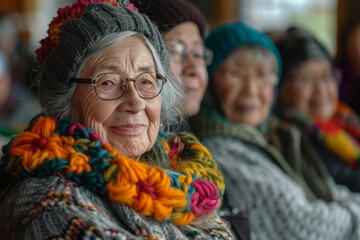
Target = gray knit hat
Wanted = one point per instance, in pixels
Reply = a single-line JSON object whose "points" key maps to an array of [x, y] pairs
{"points": [[60, 56]]}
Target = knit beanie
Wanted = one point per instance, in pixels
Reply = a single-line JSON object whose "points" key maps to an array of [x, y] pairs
{"points": [[74, 31], [167, 14], [225, 39], [297, 46]]}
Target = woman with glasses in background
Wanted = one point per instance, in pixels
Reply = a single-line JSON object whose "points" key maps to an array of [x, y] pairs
{"points": [[272, 173], [183, 29], [97, 164], [308, 97]]}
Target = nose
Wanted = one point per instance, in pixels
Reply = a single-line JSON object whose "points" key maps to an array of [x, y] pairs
{"points": [[319, 86], [188, 60], [131, 99], [189, 66], [248, 84]]}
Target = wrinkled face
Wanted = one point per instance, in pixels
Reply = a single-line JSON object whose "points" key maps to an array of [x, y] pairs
{"points": [[311, 89], [129, 124], [191, 68], [245, 88]]}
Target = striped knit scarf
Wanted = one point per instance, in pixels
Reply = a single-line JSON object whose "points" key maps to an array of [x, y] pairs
{"points": [[341, 134], [188, 191]]}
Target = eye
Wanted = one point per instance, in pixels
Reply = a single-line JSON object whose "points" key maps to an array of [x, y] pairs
{"points": [[106, 83], [198, 54], [261, 74], [306, 80], [108, 80], [234, 74], [146, 81], [172, 51]]}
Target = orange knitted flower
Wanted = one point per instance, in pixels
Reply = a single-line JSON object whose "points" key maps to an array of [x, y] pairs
{"points": [[40, 143], [144, 188]]}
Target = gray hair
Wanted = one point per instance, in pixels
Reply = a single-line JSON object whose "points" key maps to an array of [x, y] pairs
{"points": [[172, 95], [260, 55]]}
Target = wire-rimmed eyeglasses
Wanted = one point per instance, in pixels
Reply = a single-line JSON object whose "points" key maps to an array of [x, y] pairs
{"points": [[112, 86], [180, 50]]}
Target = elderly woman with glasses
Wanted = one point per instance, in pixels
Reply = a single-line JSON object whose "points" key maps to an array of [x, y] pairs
{"points": [[183, 30], [273, 174], [308, 97], [96, 164]]}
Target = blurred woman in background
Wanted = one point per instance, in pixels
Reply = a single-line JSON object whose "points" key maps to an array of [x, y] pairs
{"points": [[272, 172], [183, 29], [308, 97]]}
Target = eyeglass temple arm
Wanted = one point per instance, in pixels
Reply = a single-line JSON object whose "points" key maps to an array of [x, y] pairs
{"points": [[82, 80]]}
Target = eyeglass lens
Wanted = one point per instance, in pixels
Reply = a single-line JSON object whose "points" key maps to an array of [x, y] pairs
{"points": [[112, 86]]}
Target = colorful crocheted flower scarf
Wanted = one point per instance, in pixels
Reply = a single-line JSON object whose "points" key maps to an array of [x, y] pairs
{"points": [[341, 134], [189, 190]]}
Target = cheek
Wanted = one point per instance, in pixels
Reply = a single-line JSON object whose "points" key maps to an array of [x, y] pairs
{"points": [[333, 99], [299, 98], [175, 66], [226, 94], [153, 111], [334, 93], [203, 78], [267, 97], [89, 110]]}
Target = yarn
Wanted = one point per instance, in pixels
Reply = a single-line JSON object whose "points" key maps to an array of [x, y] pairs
{"points": [[64, 14], [340, 134], [190, 190]]}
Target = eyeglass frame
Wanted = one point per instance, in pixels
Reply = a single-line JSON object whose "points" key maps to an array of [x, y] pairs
{"points": [[331, 79], [186, 51], [93, 80], [248, 77]]}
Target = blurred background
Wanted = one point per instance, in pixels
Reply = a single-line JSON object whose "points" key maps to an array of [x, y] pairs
{"points": [[24, 22], [322, 17]]}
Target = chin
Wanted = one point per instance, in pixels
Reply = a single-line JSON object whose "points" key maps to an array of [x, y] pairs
{"points": [[191, 110]]}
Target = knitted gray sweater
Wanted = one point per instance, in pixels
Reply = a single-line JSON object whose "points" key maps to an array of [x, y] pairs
{"points": [[56, 208], [277, 206]]}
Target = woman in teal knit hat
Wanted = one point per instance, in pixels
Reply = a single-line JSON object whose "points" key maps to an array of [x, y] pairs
{"points": [[273, 174]]}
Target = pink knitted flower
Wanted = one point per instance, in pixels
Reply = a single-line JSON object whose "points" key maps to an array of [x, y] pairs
{"points": [[131, 6], [205, 199]]}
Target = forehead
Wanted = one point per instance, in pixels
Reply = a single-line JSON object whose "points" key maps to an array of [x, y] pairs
{"points": [[315, 64], [251, 56], [129, 52], [186, 33]]}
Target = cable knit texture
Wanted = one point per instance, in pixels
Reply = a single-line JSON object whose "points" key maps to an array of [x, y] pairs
{"points": [[272, 192], [69, 184]]}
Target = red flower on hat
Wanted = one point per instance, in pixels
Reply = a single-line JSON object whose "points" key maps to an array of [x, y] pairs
{"points": [[64, 14]]}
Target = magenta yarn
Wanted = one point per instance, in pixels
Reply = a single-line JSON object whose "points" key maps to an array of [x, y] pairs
{"points": [[205, 199]]}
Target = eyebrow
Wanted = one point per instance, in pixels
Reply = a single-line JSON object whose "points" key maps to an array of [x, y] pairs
{"points": [[200, 43], [118, 69], [147, 68], [113, 68]]}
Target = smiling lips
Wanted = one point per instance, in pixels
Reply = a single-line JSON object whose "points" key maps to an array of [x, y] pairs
{"points": [[129, 129], [247, 108], [191, 90]]}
